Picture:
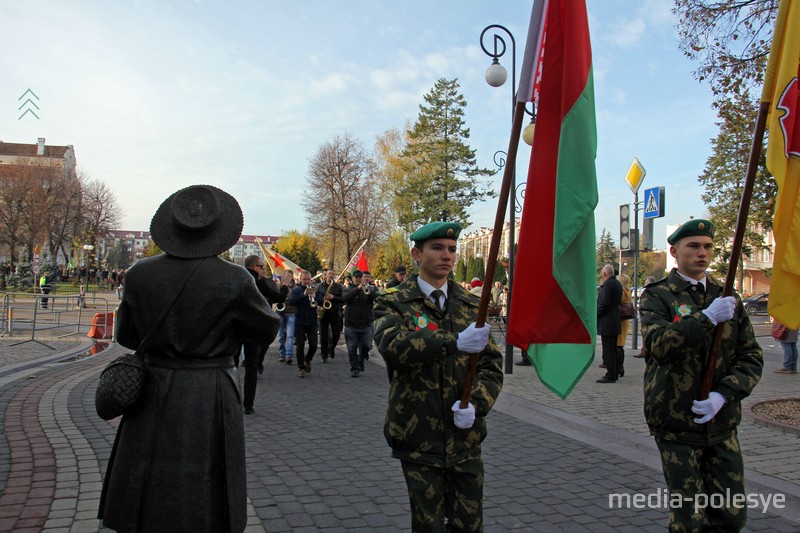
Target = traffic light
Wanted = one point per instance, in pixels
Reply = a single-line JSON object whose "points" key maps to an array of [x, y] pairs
{"points": [[625, 227]]}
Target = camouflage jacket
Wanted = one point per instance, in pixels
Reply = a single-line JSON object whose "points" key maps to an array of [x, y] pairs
{"points": [[677, 340], [427, 374]]}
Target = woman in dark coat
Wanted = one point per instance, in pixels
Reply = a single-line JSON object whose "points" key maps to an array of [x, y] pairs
{"points": [[178, 462]]}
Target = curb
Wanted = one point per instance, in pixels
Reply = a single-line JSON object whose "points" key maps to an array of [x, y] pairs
{"points": [[751, 416]]}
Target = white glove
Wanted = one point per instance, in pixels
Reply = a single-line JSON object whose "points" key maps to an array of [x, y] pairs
{"points": [[463, 418], [473, 339], [708, 408], [721, 309]]}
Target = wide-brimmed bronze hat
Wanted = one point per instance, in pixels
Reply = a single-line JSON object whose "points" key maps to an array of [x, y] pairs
{"points": [[198, 221]]}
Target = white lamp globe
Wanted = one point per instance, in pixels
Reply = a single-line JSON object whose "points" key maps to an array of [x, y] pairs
{"points": [[496, 74]]}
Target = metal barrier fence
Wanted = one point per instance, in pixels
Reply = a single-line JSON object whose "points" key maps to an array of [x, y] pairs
{"points": [[49, 311]]}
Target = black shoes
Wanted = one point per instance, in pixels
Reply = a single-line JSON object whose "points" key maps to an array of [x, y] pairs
{"points": [[606, 379], [260, 369], [523, 362], [354, 373], [248, 410]]}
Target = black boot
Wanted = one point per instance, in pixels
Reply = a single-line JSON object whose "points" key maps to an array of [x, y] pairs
{"points": [[620, 361]]}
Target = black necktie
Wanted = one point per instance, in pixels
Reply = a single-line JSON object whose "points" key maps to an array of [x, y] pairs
{"points": [[437, 299]]}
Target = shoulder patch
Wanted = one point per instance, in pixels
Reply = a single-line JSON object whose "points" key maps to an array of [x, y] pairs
{"points": [[389, 290]]}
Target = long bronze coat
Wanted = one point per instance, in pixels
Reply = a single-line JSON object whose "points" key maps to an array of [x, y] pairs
{"points": [[178, 463]]}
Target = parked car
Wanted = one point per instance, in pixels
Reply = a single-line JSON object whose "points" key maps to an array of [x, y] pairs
{"points": [[756, 303]]}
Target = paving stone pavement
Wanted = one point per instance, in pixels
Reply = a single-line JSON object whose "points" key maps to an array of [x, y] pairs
{"points": [[317, 460]]}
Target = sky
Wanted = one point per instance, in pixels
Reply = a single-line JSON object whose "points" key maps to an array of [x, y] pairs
{"points": [[155, 96]]}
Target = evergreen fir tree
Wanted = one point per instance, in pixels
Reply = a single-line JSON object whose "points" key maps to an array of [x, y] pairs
{"points": [[442, 179], [461, 270], [607, 251], [723, 180]]}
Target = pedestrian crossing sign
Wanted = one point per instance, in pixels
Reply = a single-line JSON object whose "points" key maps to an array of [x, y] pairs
{"points": [[654, 202]]}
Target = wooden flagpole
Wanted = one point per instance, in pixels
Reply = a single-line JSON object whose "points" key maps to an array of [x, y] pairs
{"points": [[738, 238], [497, 234]]}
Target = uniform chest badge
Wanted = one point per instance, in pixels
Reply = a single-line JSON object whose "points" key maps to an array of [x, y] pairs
{"points": [[681, 311], [423, 322]]}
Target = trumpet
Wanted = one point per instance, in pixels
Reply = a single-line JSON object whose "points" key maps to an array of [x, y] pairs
{"points": [[311, 301], [365, 288]]}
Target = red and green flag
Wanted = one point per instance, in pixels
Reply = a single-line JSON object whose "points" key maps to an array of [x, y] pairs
{"points": [[361, 262], [553, 312], [358, 261]]}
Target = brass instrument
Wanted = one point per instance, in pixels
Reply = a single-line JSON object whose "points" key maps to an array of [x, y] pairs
{"points": [[281, 307], [311, 301], [326, 304]]}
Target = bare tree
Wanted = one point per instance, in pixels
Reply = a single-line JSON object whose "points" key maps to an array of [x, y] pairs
{"points": [[344, 200], [16, 193], [55, 205], [100, 211], [65, 212], [730, 40]]}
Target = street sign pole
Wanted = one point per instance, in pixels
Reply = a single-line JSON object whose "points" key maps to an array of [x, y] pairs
{"points": [[635, 342], [634, 178]]}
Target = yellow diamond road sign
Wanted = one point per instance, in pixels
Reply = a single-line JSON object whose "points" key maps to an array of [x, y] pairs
{"points": [[635, 175]]}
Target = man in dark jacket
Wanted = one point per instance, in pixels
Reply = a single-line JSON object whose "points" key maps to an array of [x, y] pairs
{"points": [[399, 277], [330, 323], [254, 353], [358, 318], [305, 300], [696, 436], [178, 462], [609, 324], [425, 331]]}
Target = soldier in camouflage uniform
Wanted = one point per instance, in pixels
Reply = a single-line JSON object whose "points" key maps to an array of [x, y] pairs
{"points": [[697, 438], [425, 330]]}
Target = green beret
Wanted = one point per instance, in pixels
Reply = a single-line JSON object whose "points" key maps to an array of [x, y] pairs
{"points": [[437, 230], [693, 228]]}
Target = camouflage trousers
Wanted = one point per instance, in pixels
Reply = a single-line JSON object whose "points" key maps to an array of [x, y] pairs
{"points": [[707, 480], [445, 499]]}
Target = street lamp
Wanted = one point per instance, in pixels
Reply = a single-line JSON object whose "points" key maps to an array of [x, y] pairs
{"points": [[496, 76]]}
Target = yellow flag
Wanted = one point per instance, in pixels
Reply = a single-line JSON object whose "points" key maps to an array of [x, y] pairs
{"points": [[782, 90]]}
